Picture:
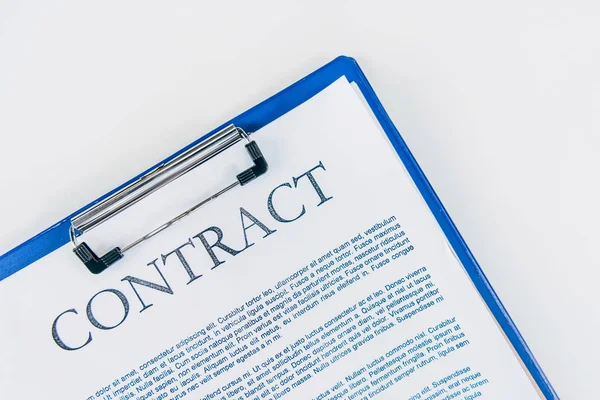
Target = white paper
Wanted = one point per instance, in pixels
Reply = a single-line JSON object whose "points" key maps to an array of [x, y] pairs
{"points": [[338, 337]]}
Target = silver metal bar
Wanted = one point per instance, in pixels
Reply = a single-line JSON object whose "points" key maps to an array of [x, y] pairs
{"points": [[157, 178], [179, 217]]}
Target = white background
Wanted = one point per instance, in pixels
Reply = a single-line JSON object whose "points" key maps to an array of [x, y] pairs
{"points": [[499, 103]]}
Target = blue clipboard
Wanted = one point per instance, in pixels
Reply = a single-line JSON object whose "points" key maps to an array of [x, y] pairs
{"points": [[260, 115]]}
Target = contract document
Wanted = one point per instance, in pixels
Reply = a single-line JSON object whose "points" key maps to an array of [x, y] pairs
{"points": [[326, 278]]}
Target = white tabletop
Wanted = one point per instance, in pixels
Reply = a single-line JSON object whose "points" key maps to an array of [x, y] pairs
{"points": [[499, 104]]}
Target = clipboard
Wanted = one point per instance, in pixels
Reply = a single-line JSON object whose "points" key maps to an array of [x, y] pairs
{"points": [[225, 136]]}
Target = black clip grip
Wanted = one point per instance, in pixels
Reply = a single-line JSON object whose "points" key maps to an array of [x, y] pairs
{"points": [[260, 164], [94, 263]]}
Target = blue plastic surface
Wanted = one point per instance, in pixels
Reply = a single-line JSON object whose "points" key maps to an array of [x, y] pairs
{"points": [[258, 116]]}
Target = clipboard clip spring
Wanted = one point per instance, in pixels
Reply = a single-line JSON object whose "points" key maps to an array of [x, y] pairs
{"points": [[154, 180]]}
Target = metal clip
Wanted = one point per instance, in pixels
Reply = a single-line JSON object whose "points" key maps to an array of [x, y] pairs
{"points": [[154, 180]]}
